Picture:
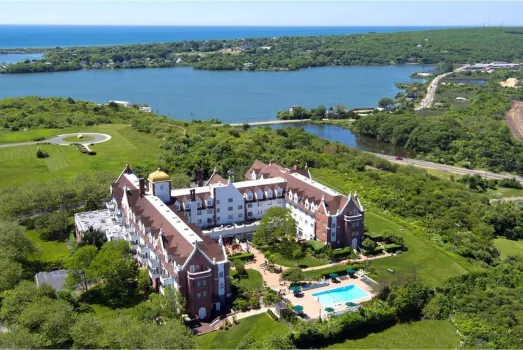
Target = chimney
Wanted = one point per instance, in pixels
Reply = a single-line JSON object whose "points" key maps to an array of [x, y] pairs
{"points": [[192, 194], [199, 178], [295, 166], [142, 187], [272, 162]]}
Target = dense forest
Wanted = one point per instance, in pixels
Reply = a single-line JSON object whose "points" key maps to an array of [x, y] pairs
{"points": [[474, 136], [291, 53]]}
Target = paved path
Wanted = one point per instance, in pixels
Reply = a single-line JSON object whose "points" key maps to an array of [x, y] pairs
{"points": [[58, 140], [352, 261], [431, 90]]}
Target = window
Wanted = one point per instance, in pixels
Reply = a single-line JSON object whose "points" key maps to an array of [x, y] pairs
{"points": [[199, 212], [198, 283], [209, 220], [217, 218], [191, 268], [221, 284], [240, 207], [217, 201], [217, 210], [230, 217], [249, 213], [209, 211], [220, 274], [229, 200], [240, 215], [199, 221], [204, 294], [278, 201], [230, 208], [204, 283], [249, 205], [198, 295]]}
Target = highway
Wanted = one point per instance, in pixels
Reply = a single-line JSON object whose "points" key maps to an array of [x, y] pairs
{"points": [[449, 168], [431, 90]]}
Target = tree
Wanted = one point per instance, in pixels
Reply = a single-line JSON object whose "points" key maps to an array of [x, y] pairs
{"points": [[410, 299], [94, 237], [86, 332], [144, 283], [10, 274], [368, 244], [320, 111], [14, 244], [293, 274], [54, 226], [114, 267], [297, 254], [25, 292], [275, 226], [385, 102], [50, 319], [78, 265], [240, 268]]}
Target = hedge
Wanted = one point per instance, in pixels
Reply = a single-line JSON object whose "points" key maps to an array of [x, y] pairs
{"points": [[242, 257], [393, 247], [340, 270], [315, 245], [378, 250], [342, 253], [374, 236]]}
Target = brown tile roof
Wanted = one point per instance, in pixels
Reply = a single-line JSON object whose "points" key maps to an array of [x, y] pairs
{"points": [[215, 179]]}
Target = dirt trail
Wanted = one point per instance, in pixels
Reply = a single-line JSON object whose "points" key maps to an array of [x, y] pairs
{"points": [[514, 118]]}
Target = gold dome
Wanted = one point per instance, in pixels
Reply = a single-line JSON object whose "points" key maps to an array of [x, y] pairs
{"points": [[158, 176]]}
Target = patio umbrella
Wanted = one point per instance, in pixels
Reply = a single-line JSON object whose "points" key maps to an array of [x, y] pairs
{"points": [[351, 271], [329, 309], [295, 289], [298, 308], [351, 304], [333, 275]]}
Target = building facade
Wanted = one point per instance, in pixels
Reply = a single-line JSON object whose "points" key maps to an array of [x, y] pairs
{"points": [[178, 234]]}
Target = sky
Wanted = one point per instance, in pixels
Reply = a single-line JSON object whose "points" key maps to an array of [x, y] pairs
{"points": [[262, 12]]}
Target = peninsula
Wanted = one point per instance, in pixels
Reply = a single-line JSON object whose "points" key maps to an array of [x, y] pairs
{"points": [[464, 45]]}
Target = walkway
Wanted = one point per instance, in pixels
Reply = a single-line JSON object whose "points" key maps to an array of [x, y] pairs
{"points": [[431, 90], [351, 261], [58, 140], [271, 279]]}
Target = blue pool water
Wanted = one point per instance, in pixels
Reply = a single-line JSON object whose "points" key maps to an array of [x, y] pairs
{"points": [[340, 295]]}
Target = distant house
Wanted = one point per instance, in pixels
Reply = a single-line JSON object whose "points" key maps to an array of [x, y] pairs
{"points": [[55, 279], [293, 108], [179, 60], [122, 103], [460, 98], [145, 108]]}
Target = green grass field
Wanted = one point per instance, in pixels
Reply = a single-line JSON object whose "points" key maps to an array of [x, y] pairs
{"points": [[417, 335], [432, 265], [30, 135], [508, 247], [251, 283], [19, 164], [49, 250], [255, 327]]}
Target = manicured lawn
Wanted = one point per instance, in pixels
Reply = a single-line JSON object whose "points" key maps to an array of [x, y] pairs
{"points": [[30, 135], [255, 327], [417, 335], [317, 274], [432, 265], [49, 250], [503, 192], [308, 261], [19, 164], [76, 139], [508, 247], [251, 283]]}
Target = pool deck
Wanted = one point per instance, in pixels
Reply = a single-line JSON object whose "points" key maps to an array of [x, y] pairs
{"points": [[314, 309]]}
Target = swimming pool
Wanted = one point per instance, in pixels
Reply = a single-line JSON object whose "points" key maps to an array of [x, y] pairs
{"points": [[340, 295]]}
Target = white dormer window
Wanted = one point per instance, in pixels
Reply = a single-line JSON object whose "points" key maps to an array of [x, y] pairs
{"points": [[198, 203], [187, 205], [253, 175], [249, 196], [290, 195], [296, 198], [306, 204], [268, 193], [278, 192], [259, 194], [209, 201]]}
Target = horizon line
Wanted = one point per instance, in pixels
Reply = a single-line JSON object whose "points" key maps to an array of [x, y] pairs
{"points": [[260, 25]]}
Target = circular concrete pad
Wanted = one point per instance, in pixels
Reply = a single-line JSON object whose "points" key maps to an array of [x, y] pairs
{"points": [[97, 138]]}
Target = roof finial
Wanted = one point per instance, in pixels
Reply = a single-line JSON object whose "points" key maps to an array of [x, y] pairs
{"points": [[158, 169], [323, 198], [306, 165], [355, 194]]}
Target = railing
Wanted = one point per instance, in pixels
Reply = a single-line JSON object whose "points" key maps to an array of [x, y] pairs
{"points": [[214, 322]]}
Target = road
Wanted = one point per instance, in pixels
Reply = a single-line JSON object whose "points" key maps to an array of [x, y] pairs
{"points": [[431, 90], [449, 168]]}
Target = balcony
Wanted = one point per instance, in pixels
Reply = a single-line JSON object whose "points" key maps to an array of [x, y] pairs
{"points": [[350, 218], [199, 274], [153, 263], [154, 273]]}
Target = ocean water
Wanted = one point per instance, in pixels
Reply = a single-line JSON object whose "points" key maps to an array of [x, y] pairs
{"points": [[231, 96], [25, 36]]}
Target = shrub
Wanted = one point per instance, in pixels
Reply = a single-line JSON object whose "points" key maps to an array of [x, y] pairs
{"points": [[91, 153], [391, 247], [317, 246], [339, 269], [293, 274], [240, 304], [242, 256], [234, 132], [392, 237], [510, 183], [38, 138], [41, 154], [254, 302], [339, 254]]}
